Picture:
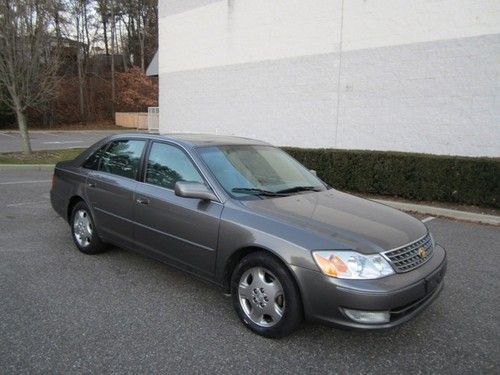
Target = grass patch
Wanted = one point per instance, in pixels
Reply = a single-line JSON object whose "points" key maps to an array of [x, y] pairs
{"points": [[40, 157]]}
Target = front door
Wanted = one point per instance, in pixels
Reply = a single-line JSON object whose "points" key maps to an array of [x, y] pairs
{"points": [[182, 230]]}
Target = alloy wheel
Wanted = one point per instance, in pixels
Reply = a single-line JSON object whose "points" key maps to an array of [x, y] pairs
{"points": [[82, 228], [261, 296]]}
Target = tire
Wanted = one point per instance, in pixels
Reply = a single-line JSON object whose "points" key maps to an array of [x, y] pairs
{"points": [[83, 230], [265, 296]]}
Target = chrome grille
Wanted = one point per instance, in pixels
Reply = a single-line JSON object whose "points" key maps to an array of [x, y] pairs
{"points": [[411, 256]]}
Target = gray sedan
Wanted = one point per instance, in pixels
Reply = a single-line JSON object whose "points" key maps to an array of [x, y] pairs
{"points": [[249, 218]]}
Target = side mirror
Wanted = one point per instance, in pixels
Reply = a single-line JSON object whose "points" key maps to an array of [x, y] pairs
{"points": [[313, 172], [194, 190]]}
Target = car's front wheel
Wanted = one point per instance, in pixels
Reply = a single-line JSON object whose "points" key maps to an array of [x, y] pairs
{"points": [[265, 296], [83, 230]]}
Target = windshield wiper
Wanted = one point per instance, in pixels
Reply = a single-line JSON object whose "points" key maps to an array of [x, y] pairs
{"points": [[297, 189], [256, 191]]}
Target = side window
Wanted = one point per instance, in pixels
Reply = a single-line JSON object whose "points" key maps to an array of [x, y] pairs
{"points": [[168, 164], [123, 158], [93, 160]]}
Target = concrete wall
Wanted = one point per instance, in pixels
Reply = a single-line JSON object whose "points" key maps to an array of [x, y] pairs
{"points": [[419, 76]]}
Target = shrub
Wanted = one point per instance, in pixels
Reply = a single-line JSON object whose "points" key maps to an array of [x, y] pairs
{"points": [[135, 91], [454, 179]]}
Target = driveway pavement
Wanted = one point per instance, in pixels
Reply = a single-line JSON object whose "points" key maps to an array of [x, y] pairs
{"points": [[65, 312], [11, 141]]}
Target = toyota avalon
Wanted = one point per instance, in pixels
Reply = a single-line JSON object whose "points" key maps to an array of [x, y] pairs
{"points": [[249, 218]]}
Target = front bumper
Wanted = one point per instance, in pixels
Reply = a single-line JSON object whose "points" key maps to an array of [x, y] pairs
{"points": [[404, 295]]}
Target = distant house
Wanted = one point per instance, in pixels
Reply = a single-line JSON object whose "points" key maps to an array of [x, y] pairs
{"points": [[152, 69], [419, 76], [68, 49], [102, 62], [98, 62]]}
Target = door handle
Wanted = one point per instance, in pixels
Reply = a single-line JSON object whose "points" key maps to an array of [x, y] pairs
{"points": [[91, 184], [142, 201]]}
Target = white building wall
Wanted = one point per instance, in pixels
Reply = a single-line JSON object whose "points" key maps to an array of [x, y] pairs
{"points": [[418, 76]]}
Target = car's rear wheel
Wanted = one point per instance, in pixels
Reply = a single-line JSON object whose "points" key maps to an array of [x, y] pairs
{"points": [[265, 296], [83, 230]]}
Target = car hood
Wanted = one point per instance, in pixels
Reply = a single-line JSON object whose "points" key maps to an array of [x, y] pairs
{"points": [[350, 222]]}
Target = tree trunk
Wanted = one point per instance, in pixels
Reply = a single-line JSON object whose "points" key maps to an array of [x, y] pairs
{"points": [[113, 32], [81, 84], [81, 78], [141, 48], [86, 30], [23, 129], [124, 58], [105, 31], [140, 34]]}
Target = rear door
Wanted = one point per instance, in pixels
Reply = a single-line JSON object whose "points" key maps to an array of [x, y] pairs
{"points": [[182, 230], [110, 189]]}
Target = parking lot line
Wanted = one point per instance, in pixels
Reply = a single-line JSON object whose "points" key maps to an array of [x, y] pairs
{"points": [[23, 182], [427, 219], [7, 135], [61, 142], [25, 204]]}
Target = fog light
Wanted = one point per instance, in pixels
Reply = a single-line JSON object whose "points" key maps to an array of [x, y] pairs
{"points": [[368, 317]]}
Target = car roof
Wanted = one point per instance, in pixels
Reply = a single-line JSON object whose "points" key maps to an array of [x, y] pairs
{"points": [[195, 139]]}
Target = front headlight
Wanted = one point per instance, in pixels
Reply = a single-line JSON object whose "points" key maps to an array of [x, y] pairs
{"points": [[352, 265]]}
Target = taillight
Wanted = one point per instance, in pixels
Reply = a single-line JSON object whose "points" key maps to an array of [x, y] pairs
{"points": [[53, 180]]}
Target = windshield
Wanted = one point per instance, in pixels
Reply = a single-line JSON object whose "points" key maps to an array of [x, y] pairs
{"points": [[245, 171]]}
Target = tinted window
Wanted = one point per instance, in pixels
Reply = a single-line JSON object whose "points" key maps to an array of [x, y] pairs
{"points": [[168, 164], [123, 158], [93, 160]]}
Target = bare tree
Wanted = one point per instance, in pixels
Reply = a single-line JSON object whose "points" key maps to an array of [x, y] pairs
{"points": [[80, 61], [140, 19], [28, 58], [113, 32], [103, 10], [141, 31]]}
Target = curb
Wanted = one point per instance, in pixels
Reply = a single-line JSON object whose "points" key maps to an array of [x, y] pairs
{"points": [[124, 130], [33, 166], [443, 212]]}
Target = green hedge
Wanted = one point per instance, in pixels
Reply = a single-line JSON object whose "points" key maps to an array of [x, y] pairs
{"points": [[474, 181]]}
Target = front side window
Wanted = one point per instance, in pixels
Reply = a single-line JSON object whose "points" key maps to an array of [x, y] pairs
{"points": [[123, 158], [244, 170], [168, 164]]}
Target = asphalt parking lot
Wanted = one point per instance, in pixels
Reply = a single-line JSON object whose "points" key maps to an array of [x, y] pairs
{"points": [[119, 312], [10, 141]]}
